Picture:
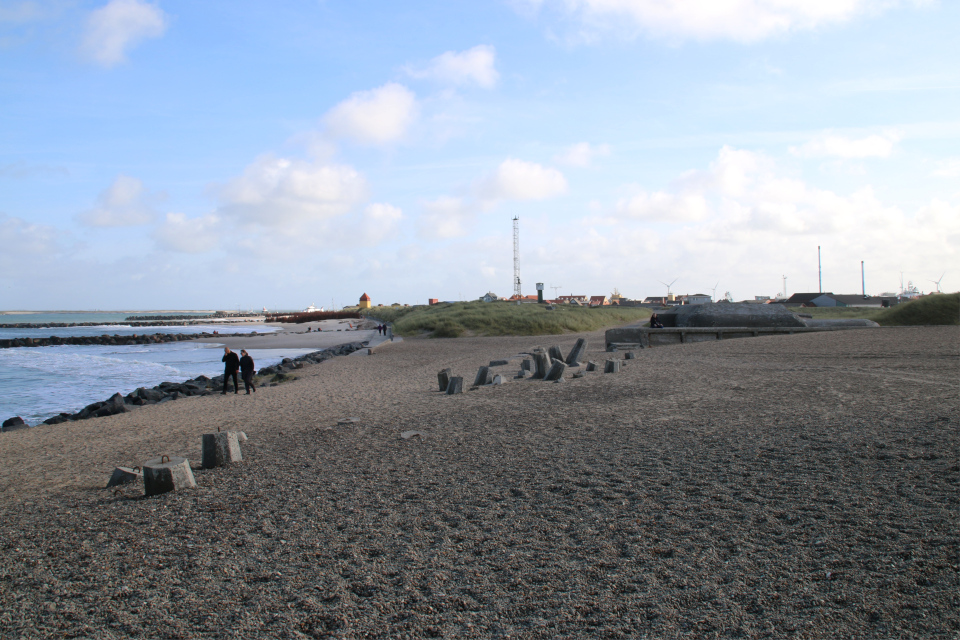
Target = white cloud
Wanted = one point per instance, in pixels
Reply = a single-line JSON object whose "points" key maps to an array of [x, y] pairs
{"points": [[380, 222], [582, 154], [949, 168], [665, 207], [738, 20], [278, 191], [473, 66], [189, 235], [518, 180], [378, 116], [21, 238], [123, 204], [873, 146], [445, 217], [112, 30]]}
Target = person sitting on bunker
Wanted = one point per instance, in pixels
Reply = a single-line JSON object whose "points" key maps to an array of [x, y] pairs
{"points": [[655, 322]]}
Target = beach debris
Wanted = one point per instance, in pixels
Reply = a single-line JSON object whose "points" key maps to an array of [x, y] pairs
{"points": [[498, 363], [484, 376], [14, 423], [455, 386], [629, 355], [497, 379], [611, 366], [406, 435], [124, 475], [343, 422], [166, 473], [541, 362], [555, 353], [556, 371], [573, 360], [220, 449], [591, 366], [443, 379]]}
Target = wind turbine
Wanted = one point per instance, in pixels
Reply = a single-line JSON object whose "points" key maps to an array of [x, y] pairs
{"points": [[714, 298], [937, 282], [668, 285]]}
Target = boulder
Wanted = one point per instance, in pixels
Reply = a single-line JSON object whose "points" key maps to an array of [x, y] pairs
{"points": [[13, 424]]}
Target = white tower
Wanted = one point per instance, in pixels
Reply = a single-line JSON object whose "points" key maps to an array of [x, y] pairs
{"points": [[516, 257]]}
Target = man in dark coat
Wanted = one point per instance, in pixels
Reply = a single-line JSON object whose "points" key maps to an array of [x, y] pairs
{"points": [[246, 371], [231, 364]]}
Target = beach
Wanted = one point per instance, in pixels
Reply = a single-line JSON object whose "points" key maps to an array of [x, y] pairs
{"points": [[799, 486]]}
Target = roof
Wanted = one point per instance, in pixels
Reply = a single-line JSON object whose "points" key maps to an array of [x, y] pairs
{"points": [[364, 298], [803, 298]]}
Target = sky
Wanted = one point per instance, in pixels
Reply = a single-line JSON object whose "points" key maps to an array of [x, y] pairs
{"points": [[225, 155]]}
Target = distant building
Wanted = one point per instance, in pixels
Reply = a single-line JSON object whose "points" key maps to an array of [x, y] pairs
{"points": [[489, 296], [433, 301], [598, 301], [696, 298], [836, 300], [365, 302], [572, 298]]}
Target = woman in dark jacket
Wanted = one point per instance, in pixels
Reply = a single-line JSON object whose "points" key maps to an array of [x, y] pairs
{"points": [[246, 371], [230, 365]]}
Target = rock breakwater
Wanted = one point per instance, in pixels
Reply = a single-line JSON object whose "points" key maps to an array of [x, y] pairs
{"points": [[152, 338]]}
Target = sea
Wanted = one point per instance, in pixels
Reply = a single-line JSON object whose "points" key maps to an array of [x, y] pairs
{"points": [[37, 383]]}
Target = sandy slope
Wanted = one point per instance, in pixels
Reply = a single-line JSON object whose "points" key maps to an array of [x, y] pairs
{"points": [[791, 486]]}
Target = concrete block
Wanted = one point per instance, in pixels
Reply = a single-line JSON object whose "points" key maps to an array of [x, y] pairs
{"points": [[629, 355], [612, 366], [125, 475], [483, 377], [498, 363], [527, 364], [591, 366], [443, 379], [577, 352], [541, 364], [522, 373], [556, 371], [455, 386], [166, 473], [497, 379], [220, 449], [555, 353]]}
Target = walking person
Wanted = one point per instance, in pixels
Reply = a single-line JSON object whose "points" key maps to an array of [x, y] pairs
{"points": [[247, 371], [231, 364]]}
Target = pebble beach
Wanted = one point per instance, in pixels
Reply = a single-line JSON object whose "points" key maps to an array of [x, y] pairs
{"points": [[795, 486]]}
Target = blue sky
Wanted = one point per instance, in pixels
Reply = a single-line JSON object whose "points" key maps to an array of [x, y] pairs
{"points": [[223, 154]]}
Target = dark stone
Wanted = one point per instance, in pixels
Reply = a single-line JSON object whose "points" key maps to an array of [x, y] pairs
{"points": [[14, 423]]}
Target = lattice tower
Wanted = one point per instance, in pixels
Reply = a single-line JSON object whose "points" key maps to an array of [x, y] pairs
{"points": [[516, 257]]}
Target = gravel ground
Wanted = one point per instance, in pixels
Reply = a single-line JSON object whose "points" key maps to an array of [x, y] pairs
{"points": [[799, 486]]}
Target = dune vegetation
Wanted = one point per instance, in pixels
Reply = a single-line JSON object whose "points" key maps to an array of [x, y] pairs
{"points": [[452, 320], [938, 309]]}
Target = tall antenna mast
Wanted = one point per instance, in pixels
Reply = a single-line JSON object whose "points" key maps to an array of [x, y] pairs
{"points": [[516, 257], [819, 271]]}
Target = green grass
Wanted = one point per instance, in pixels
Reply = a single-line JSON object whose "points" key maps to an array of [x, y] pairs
{"points": [[942, 308], [452, 320]]}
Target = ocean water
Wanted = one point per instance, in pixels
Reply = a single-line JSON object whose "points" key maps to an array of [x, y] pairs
{"points": [[37, 383], [127, 330], [87, 316]]}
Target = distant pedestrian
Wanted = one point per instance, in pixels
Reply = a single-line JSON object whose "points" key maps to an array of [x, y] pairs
{"points": [[380, 329], [231, 364], [655, 322], [247, 371]]}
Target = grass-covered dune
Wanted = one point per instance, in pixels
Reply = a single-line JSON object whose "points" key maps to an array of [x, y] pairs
{"points": [[942, 308], [451, 320]]}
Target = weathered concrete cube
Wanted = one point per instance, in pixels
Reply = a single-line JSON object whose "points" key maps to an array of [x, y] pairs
{"points": [[220, 449], [591, 366], [612, 366], [555, 353], [499, 363], [556, 371], [124, 475], [455, 386], [527, 364], [541, 363], [443, 379], [629, 355], [164, 474], [497, 379], [573, 360], [483, 377]]}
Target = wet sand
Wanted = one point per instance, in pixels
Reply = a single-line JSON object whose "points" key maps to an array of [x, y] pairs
{"points": [[797, 486]]}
